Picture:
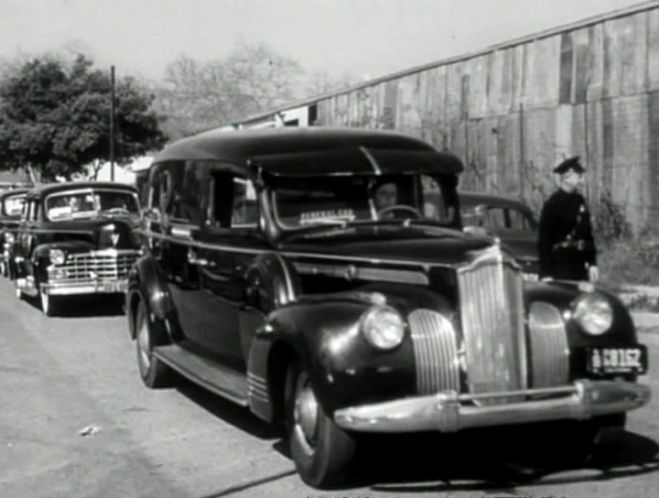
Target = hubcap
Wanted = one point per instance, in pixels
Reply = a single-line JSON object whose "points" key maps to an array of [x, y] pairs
{"points": [[144, 345], [306, 413]]}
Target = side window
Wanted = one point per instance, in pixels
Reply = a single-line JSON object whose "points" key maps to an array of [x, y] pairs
{"points": [[233, 202], [244, 212], [495, 218], [178, 192], [437, 201]]}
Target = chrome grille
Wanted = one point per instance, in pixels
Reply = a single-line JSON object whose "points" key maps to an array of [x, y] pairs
{"points": [[491, 312], [98, 265], [435, 352], [550, 354]]}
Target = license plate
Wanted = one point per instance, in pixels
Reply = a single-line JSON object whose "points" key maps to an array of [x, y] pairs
{"points": [[530, 277], [617, 360]]}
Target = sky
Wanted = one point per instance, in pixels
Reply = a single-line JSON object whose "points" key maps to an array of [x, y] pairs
{"points": [[361, 38]]}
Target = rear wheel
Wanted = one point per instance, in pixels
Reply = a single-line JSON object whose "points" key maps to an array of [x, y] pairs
{"points": [[322, 452], [154, 373]]}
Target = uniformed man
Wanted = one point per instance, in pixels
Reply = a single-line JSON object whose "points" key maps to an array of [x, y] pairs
{"points": [[565, 244]]}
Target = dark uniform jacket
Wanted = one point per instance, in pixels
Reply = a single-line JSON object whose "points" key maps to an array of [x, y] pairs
{"points": [[565, 244]]}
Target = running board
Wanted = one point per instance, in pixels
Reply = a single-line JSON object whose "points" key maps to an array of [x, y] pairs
{"points": [[218, 379]]}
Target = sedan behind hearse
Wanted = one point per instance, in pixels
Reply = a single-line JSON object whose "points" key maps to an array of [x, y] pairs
{"points": [[75, 239]]}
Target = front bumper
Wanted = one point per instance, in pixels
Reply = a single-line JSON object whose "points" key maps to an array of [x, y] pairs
{"points": [[91, 287], [450, 412]]}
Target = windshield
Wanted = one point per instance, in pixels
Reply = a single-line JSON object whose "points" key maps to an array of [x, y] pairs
{"points": [[342, 200], [89, 203], [12, 205], [500, 218]]}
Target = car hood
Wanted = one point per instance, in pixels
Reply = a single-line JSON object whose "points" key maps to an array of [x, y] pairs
{"points": [[522, 245], [98, 233], [410, 244]]}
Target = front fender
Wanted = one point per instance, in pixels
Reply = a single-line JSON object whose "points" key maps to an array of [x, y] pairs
{"points": [[146, 281], [343, 367], [562, 295]]}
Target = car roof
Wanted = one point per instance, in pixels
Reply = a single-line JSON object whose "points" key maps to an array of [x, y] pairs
{"points": [[49, 188], [313, 150], [470, 199]]}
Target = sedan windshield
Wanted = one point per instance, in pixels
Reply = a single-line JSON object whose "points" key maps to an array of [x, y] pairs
{"points": [[81, 204], [341, 200]]}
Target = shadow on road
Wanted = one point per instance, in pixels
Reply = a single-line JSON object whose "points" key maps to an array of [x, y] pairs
{"points": [[228, 411], [85, 306], [496, 460]]}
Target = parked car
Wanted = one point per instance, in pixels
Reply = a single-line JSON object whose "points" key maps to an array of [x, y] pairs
{"points": [[11, 206], [270, 278], [508, 218], [76, 238]]}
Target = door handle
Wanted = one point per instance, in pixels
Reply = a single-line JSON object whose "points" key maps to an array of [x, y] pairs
{"points": [[193, 259]]}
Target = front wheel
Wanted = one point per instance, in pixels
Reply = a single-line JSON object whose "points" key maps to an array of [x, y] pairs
{"points": [[154, 372], [322, 452]]}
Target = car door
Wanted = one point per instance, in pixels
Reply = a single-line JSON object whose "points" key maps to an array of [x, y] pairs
{"points": [[231, 242], [176, 229]]}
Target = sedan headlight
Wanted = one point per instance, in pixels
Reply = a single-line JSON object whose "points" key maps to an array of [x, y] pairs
{"points": [[57, 256], [593, 312], [383, 327], [9, 238]]}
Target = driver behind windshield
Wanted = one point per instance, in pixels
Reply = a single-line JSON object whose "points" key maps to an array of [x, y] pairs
{"points": [[385, 196]]}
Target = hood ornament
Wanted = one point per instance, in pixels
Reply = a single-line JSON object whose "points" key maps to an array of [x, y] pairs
{"points": [[115, 239]]}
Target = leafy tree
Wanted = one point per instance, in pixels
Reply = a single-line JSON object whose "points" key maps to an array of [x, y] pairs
{"points": [[55, 117], [198, 96]]}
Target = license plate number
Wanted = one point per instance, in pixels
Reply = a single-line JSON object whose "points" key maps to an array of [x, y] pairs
{"points": [[617, 360]]}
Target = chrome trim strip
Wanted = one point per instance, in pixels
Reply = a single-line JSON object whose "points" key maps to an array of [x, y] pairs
{"points": [[287, 278], [374, 164], [292, 254], [350, 272], [445, 411]]}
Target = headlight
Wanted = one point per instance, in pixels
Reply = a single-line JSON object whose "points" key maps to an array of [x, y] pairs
{"points": [[383, 327], [57, 256], [9, 238], [593, 312]]}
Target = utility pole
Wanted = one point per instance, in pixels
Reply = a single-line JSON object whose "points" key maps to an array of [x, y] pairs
{"points": [[112, 123]]}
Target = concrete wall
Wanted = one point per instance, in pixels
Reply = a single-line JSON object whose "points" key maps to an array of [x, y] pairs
{"points": [[514, 111]]}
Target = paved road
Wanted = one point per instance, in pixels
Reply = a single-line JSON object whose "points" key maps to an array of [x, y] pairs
{"points": [[59, 376]]}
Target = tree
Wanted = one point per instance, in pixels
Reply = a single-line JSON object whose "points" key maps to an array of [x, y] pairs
{"points": [[198, 96], [55, 115]]}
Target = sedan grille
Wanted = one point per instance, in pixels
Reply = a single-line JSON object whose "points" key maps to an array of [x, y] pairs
{"points": [[98, 265], [491, 312]]}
